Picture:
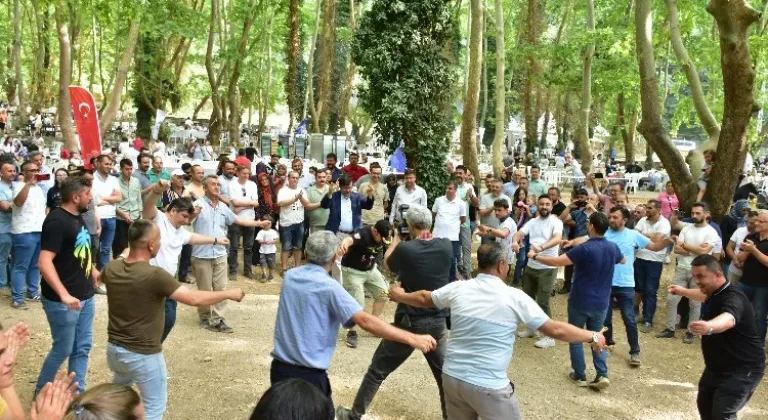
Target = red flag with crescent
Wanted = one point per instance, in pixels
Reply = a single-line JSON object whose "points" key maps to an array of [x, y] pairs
{"points": [[87, 121]]}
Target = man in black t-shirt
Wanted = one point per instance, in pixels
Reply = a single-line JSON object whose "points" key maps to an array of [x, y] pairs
{"points": [[733, 354], [359, 271], [423, 263], [66, 263], [754, 278]]}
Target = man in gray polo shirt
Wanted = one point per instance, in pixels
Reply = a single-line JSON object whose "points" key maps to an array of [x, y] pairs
{"points": [[210, 261]]}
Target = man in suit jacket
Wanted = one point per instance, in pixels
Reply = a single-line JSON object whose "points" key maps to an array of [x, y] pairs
{"points": [[346, 207]]}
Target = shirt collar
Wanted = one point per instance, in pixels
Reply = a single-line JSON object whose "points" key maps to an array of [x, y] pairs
{"points": [[487, 277]]}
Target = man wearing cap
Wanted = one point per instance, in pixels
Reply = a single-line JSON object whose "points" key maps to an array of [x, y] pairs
{"points": [[358, 266]]}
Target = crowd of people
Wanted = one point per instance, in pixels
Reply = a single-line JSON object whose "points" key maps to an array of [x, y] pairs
{"points": [[131, 230]]}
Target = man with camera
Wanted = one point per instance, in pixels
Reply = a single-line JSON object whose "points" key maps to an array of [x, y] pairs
{"points": [[406, 259]]}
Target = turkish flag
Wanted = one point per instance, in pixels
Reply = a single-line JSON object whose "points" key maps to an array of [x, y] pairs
{"points": [[87, 120]]}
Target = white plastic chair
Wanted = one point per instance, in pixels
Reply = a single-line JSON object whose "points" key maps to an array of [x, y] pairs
{"points": [[633, 182]]}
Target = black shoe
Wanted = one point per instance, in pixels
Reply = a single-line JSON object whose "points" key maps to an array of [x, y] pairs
{"points": [[220, 327], [250, 275], [564, 291], [667, 333], [351, 340], [600, 382], [688, 338]]}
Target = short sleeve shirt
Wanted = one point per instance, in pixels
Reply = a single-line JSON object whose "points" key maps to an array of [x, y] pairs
{"points": [[542, 231], [737, 238], [448, 216], [645, 227], [312, 306], [29, 217], [247, 192], [136, 294], [506, 242], [755, 273], [212, 221], [65, 235], [171, 241], [407, 261], [267, 236], [486, 202], [104, 187], [294, 213], [6, 194], [628, 241], [696, 236], [319, 216], [485, 313], [594, 263]]}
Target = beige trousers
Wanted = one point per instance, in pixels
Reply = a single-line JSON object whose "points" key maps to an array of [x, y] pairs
{"points": [[211, 274]]}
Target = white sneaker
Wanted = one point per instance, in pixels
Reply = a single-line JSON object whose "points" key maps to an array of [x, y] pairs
{"points": [[545, 343], [527, 333]]}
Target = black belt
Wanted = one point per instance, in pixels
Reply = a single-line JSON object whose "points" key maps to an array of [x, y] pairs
{"points": [[347, 232]]}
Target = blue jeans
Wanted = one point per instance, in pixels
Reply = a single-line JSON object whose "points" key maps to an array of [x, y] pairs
{"points": [[455, 259], [625, 296], [593, 321], [291, 237], [758, 296], [106, 239], [5, 255], [647, 276], [522, 260], [26, 250], [149, 373], [170, 317], [72, 333]]}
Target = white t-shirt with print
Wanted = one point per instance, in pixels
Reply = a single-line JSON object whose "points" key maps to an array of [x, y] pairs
{"points": [[542, 231], [646, 228], [29, 217], [264, 236], [171, 241], [293, 214], [506, 242], [247, 192], [448, 217]]}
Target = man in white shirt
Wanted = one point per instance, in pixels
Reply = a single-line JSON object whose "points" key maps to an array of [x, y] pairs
{"points": [[485, 314], [244, 195], [504, 234], [485, 212], [695, 239], [26, 226], [545, 232], [409, 193], [649, 264], [38, 159], [734, 247], [450, 212], [173, 237], [466, 191], [106, 189], [291, 221]]}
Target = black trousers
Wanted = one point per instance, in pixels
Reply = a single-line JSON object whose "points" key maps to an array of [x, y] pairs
{"points": [[722, 395], [121, 237], [391, 354]]}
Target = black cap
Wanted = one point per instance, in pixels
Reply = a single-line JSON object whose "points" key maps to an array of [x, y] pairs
{"points": [[384, 228]]}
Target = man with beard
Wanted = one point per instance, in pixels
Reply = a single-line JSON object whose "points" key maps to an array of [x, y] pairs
{"points": [[333, 171], [546, 232], [67, 265], [649, 264], [487, 217], [698, 238]]}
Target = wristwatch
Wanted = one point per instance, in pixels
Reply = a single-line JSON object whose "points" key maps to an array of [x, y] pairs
{"points": [[215, 241], [534, 257], [595, 338]]}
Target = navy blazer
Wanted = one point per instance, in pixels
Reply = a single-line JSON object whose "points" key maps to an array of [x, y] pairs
{"points": [[333, 203]]}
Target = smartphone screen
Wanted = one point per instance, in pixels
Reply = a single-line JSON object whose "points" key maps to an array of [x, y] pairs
{"points": [[598, 174], [43, 177]]}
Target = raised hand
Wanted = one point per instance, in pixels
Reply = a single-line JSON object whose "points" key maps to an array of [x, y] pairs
{"points": [[54, 399]]}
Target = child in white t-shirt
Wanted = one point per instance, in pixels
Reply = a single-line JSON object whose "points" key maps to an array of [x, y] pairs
{"points": [[267, 239]]}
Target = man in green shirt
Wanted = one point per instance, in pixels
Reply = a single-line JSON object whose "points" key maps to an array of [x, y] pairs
{"points": [[318, 216], [380, 196], [157, 173], [537, 186]]}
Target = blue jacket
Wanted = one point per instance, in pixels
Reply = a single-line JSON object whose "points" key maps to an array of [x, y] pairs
{"points": [[359, 203]]}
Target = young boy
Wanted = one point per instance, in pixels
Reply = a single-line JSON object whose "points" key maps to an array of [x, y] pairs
{"points": [[267, 238], [503, 234]]}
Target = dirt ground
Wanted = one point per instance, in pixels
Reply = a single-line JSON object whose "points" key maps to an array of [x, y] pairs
{"points": [[216, 376]]}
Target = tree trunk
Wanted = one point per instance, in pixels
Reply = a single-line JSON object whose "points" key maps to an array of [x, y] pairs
{"points": [[501, 115], [629, 146], [320, 122], [63, 110], [293, 49], [484, 109], [351, 70], [200, 106], [651, 125], [21, 104], [113, 100], [38, 99], [233, 90], [214, 130], [733, 19], [582, 137], [310, 95], [472, 96], [545, 123], [532, 70], [706, 117]]}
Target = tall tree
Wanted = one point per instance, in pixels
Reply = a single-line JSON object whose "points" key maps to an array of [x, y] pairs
{"points": [[293, 57], [733, 18], [532, 72], [113, 101], [582, 137], [319, 109], [472, 96], [63, 110], [501, 84], [651, 126], [21, 104]]}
